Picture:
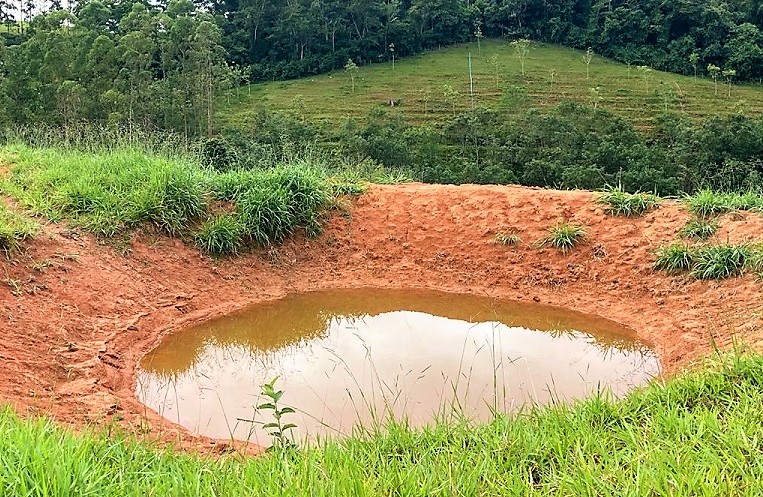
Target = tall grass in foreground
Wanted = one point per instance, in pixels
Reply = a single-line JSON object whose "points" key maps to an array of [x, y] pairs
{"points": [[699, 434]]}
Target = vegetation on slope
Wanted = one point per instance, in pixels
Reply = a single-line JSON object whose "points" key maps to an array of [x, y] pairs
{"points": [[698, 434], [111, 191], [433, 87], [14, 229]]}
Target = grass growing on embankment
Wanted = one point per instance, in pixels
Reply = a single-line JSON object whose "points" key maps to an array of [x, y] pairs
{"points": [[699, 434], [109, 191], [14, 229]]}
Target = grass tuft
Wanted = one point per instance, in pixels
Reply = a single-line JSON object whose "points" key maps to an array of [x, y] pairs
{"points": [[621, 203], [707, 203], [720, 261], [699, 228], [674, 258], [14, 229], [508, 237], [219, 236], [564, 236]]}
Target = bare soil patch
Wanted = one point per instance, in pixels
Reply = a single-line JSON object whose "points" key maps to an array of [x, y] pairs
{"points": [[77, 315]]}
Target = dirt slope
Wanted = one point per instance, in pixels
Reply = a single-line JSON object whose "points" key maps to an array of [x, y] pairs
{"points": [[77, 315]]}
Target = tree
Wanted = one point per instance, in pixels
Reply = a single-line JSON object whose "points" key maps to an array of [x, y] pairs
{"points": [[714, 72], [352, 69], [521, 48], [646, 73], [587, 58], [694, 60], [729, 74], [478, 34], [451, 96]]}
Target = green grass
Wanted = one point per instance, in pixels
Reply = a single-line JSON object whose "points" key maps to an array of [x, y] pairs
{"points": [[717, 262], [709, 261], [674, 258], [419, 83], [621, 203], [708, 203], [110, 191], [698, 434], [699, 228], [564, 236], [14, 229]]}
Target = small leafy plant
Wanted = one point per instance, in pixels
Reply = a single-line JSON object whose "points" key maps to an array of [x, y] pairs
{"points": [[564, 236], [699, 228], [277, 428], [621, 203]]}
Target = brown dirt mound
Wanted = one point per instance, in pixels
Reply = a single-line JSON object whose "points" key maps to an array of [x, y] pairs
{"points": [[78, 315]]}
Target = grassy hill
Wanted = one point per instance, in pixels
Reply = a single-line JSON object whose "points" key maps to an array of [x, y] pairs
{"points": [[430, 87]]}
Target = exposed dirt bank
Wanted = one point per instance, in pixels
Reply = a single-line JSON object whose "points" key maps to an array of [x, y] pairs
{"points": [[77, 315]]}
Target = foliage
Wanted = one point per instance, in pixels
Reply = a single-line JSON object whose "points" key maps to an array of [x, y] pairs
{"points": [[621, 203], [707, 418], [720, 261], [14, 229], [278, 429], [674, 258], [699, 228], [219, 236], [707, 203], [564, 236]]}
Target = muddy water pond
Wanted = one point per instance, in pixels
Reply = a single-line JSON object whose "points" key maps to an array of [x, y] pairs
{"points": [[358, 356]]}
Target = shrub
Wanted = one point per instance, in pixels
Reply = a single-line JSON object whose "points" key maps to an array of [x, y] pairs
{"points": [[621, 203], [564, 236]]}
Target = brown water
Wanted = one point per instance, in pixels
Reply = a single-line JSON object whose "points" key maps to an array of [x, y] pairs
{"points": [[356, 356]]}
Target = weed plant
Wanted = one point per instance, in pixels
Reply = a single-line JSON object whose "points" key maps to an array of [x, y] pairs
{"points": [[621, 203], [675, 258], [697, 434], [14, 229], [700, 228], [564, 236], [707, 203]]}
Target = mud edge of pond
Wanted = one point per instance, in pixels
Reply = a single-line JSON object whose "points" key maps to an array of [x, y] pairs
{"points": [[77, 315]]}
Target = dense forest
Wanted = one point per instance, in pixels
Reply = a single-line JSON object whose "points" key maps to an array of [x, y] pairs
{"points": [[160, 64]]}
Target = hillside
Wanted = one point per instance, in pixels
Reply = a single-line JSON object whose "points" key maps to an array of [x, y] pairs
{"points": [[431, 87]]}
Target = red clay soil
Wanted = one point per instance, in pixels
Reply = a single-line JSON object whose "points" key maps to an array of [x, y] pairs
{"points": [[77, 315]]}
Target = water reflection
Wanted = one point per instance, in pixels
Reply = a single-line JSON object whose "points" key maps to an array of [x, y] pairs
{"points": [[355, 356]]}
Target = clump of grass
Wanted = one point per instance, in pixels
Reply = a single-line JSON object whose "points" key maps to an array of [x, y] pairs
{"points": [[107, 192], [707, 203], [674, 258], [14, 229], [508, 237], [699, 228], [220, 235], [564, 236], [621, 203], [720, 261]]}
